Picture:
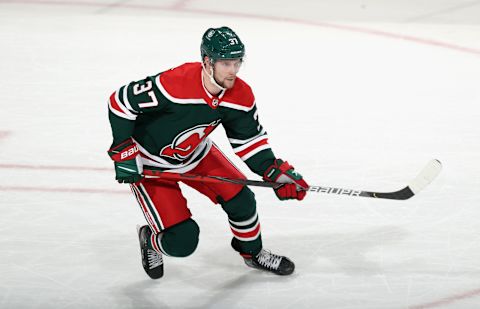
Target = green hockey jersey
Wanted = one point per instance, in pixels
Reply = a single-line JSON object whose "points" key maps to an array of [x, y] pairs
{"points": [[171, 114]]}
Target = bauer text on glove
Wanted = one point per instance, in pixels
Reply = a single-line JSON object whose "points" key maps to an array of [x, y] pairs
{"points": [[128, 165]]}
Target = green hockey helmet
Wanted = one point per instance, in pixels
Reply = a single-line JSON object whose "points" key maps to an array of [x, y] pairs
{"points": [[221, 43]]}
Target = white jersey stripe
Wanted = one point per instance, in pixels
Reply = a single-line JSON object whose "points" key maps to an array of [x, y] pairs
{"points": [[124, 108], [125, 99], [252, 142], [120, 114], [145, 210], [254, 152], [226, 157], [177, 100], [240, 141], [125, 113], [149, 201], [237, 106]]}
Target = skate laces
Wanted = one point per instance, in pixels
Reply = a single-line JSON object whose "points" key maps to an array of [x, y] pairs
{"points": [[268, 259], [154, 258]]}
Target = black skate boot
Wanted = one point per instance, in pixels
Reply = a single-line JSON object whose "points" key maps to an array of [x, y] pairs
{"points": [[267, 261], [152, 261]]}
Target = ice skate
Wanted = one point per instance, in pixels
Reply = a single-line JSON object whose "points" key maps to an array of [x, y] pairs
{"points": [[152, 261], [267, 261]]}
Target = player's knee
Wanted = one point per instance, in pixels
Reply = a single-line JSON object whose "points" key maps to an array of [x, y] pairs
{"points": [[181, 239], [242, 206]]}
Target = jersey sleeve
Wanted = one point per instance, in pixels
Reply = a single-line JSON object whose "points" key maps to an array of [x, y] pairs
{"points": [[249, 139], [128, 102]]}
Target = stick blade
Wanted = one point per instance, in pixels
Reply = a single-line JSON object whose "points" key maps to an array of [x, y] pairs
{"points": [[426, 176]]}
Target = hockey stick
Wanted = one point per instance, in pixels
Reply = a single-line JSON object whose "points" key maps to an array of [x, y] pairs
{"points": [[426, 176]]}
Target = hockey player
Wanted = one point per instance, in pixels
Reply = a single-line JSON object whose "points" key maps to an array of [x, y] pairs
{"points": [[162, 123]]}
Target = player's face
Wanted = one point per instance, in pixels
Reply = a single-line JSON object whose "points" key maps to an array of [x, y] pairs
{"points": [[226, 71]]}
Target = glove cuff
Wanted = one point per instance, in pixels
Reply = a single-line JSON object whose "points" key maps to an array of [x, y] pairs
{"points": [[274, 171], [126, 150]]}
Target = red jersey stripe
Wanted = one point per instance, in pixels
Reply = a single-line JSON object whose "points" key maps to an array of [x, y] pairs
{"points": [[252, 148], [114, 104]]}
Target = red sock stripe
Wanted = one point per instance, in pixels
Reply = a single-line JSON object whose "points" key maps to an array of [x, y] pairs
{"points": [[153, 240], [252, 234]]}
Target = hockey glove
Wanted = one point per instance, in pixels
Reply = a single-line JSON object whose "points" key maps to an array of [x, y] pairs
{"points": [[294, 186], [128, 165]]}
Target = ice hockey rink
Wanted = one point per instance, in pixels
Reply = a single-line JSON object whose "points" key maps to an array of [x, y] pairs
{"points": [[357, 94]]}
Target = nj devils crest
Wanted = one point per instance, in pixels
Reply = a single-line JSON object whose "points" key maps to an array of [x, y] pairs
{"points": [[185, 143]]}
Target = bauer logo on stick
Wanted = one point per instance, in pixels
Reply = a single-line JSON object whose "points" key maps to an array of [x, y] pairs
{"points": [[338, 191]]}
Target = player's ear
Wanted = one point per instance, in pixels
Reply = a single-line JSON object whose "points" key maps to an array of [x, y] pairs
{"points": [[207, 62]]}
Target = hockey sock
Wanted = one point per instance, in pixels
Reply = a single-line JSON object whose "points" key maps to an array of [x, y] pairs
{"points": [[244, 223]]}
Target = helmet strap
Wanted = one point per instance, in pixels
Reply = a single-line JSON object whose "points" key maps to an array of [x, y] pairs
{"points": [[211, 75]]}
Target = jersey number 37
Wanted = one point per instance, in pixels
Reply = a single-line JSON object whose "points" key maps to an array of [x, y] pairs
{"points": [[142, 88]]}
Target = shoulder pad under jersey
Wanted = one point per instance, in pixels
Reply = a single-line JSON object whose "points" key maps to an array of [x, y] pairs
{"points": [[182, 83]]}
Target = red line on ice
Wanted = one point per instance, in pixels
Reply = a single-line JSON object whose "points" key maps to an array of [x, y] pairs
{"points": [[4, 134], [58, 189], [62, 190], [180, 4], [447, 300], [54, 167], [179, 8]]}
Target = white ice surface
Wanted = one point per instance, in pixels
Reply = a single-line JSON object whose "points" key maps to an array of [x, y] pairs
{"points": [[345, 106]]}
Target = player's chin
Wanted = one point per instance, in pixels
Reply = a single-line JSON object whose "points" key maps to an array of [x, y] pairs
{"points": [[229, 83]]}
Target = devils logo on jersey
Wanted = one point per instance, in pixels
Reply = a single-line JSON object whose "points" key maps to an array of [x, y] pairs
{"points": [[185, 143]]}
